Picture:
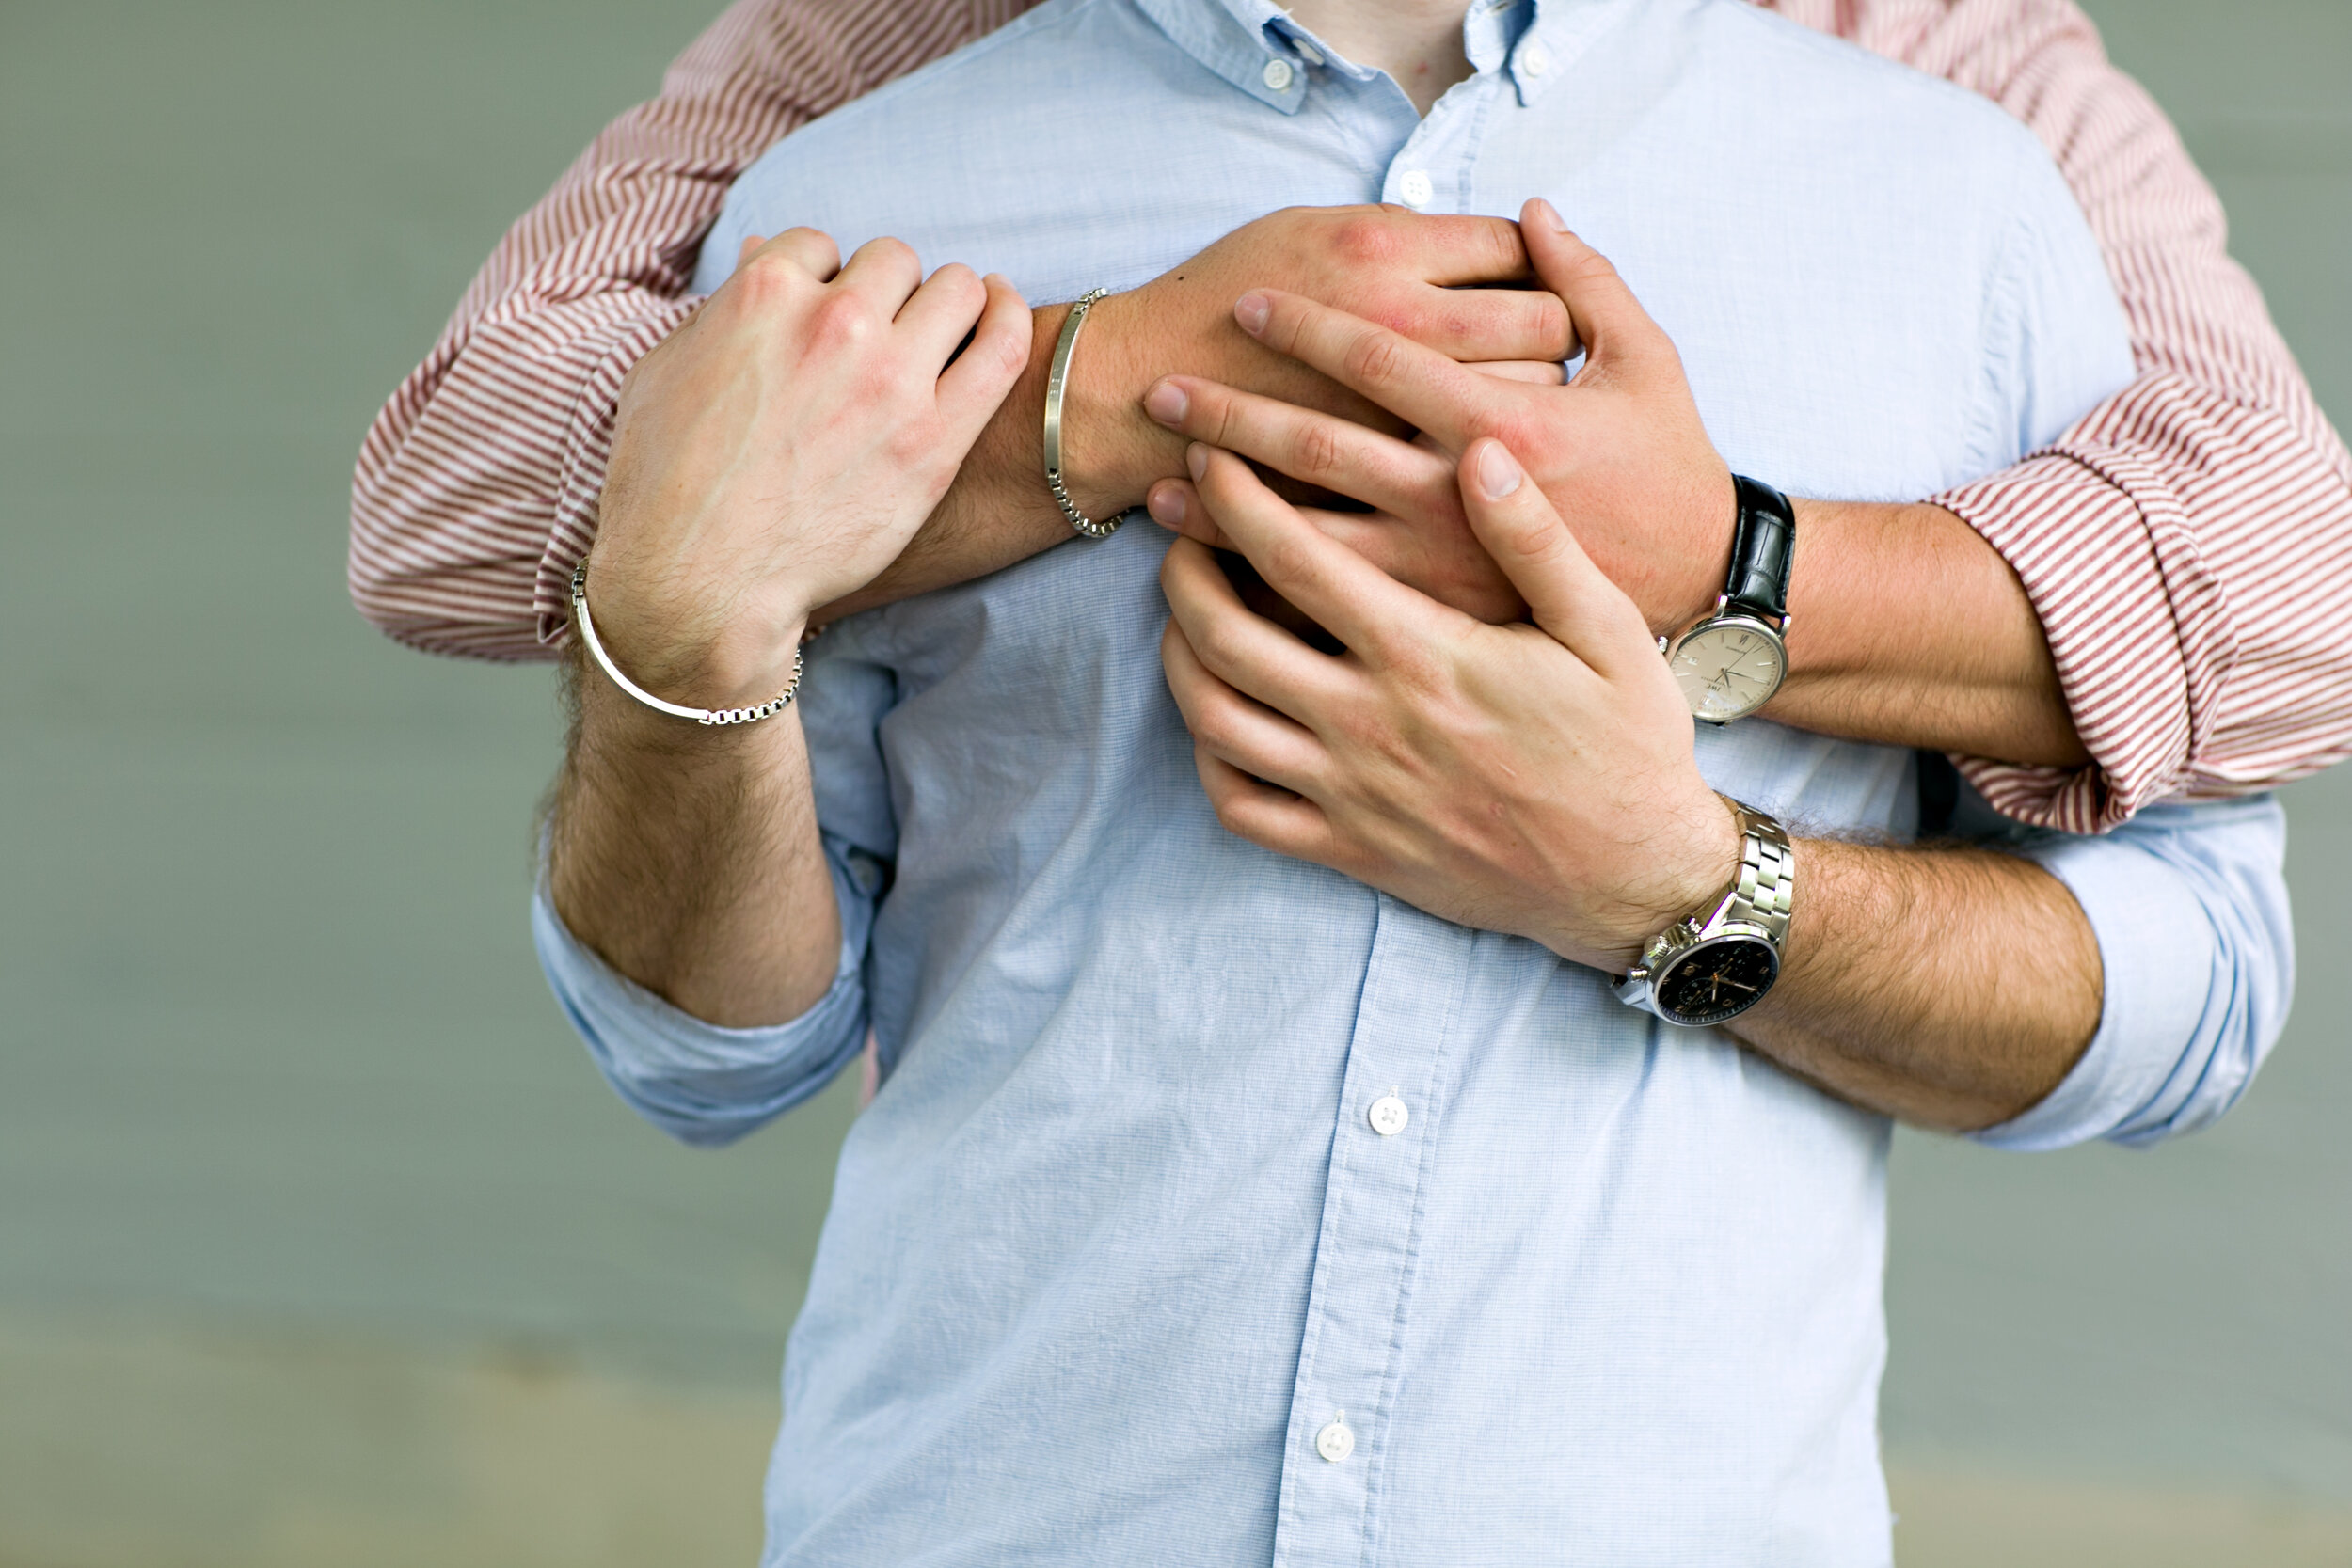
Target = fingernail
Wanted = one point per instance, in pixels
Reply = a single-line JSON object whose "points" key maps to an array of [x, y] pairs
{"points": [[1167, 403], [1197, 460], [1550, 214], [1498, 471], [1166, 505], [1251, 310]]}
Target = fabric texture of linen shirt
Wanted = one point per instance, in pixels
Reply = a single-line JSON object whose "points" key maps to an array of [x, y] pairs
{"points": [[1122, 1266]]}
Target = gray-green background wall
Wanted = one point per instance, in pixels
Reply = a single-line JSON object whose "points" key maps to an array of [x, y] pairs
{"points": [[321, 1244]]}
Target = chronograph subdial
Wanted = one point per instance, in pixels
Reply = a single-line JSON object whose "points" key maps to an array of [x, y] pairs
{"points": [[1717, 980]]}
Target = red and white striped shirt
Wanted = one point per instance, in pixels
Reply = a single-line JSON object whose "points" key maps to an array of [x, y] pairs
{"points": [[2175, 541]]}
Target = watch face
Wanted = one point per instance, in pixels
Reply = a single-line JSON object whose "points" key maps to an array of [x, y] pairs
{"points": [[1717, 980], [1726, 671]]}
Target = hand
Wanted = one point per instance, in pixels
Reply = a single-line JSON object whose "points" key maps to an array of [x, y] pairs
{"points": [[1531, 779], [779, 450], [1427, 279], [1620, 450]]}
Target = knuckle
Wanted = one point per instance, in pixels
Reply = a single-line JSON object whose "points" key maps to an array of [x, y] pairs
{"points": [[1218, 420], [767, 277], [1316, 451], [1372, 239], [1216, 648], [1214, 723], [1012, 353], [1286, 561], [1230, 816], [889, 247], [841, 321], [1547, 324], [1504, 250], [957, 279], [1374, 358]]}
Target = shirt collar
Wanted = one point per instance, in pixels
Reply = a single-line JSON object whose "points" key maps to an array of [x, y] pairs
{"points": [[1535, 41]]}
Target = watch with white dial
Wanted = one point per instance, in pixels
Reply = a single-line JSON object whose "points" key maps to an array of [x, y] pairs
{"points": [[1722, 958], [1731, 662]]}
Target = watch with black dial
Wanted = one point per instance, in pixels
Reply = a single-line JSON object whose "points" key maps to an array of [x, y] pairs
{"points": [[1730, 663], [1720, 960]]}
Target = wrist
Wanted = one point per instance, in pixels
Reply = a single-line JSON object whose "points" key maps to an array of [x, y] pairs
{"points": [[1688, 867], [618, 738], [1715, 503], [697, 654], [1111, 449]]}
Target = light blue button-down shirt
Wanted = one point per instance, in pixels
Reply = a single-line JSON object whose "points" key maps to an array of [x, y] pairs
{"points": [[1121, 1249]]}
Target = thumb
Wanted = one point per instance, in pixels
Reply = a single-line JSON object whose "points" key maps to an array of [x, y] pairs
{"points": [[1569, 596], [1609, 321]]}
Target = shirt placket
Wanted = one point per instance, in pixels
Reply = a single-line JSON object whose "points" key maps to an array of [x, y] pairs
{"points": [[1390, 1106], [1432, 171]]}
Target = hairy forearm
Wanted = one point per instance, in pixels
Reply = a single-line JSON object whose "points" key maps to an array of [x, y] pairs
{"points": [[1906, 627], [1947, 986], [688, 858]]}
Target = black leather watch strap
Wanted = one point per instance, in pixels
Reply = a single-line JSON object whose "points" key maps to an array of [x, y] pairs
{"points": [[1763, 548]]}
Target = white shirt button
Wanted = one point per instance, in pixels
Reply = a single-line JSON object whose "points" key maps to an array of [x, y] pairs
{"points": [[1308, 53], [1389, 1115], [1533, 61], [1278, 75], [1415, 189], [1335, 1441]]}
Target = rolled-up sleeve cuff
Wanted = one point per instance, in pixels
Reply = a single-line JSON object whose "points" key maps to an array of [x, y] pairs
{"points": [[697, 1081], [2139, 626], [2198, 972], [2133, 902]]}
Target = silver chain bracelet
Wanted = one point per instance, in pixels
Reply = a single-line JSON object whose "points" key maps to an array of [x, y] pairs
{"points": [[1056, 378], [767, 709]]}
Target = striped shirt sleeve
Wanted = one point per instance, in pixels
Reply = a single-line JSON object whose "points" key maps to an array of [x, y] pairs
{"points": [[2179, 537], [476, 489], [2173, 541]]}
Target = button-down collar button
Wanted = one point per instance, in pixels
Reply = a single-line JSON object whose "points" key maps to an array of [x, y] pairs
{"points": [[1415, 189], [1278, 75], [1389, 1115], [1533, 60], [1335, 1441]]}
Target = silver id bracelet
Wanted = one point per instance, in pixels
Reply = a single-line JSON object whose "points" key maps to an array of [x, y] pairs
{"points": [[767, 709], [1057, 377]]}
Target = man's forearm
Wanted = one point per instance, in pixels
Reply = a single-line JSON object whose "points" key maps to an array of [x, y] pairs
{"points": [[1948, 986], [688, 858], [1907, 627]]}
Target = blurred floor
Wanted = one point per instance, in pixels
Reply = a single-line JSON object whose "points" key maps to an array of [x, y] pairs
{"points": [[319, 1242]]}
